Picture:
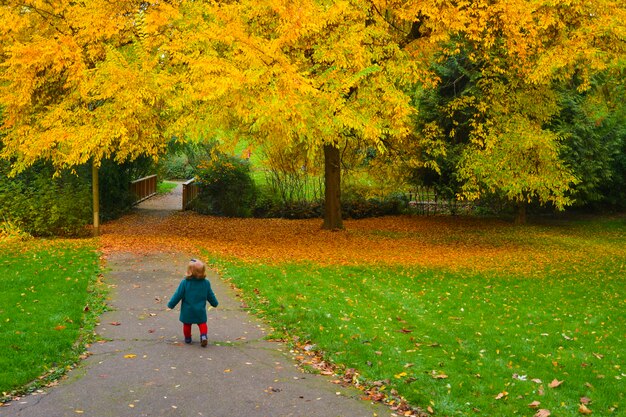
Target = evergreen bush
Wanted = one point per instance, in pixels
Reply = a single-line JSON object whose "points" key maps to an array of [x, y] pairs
{"points": [[42, 204], [45, 206], [226, 187]]}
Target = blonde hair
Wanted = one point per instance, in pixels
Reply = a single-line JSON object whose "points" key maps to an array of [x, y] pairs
{"points": [[196, 269]]}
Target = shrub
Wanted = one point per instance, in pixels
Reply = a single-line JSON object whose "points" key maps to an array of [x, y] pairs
{"points": [[115, 196], [226, 187], [11, 232], [176, 166], [40, 204], [183, 158], [44, 206], [357, 204]]}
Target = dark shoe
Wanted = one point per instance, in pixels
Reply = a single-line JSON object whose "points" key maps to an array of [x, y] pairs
{"points": [[203, 340], [188, 340]]}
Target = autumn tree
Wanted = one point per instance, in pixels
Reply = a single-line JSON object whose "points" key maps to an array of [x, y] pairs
{"points": [[310, 74], [79, 83], [511, 58]]}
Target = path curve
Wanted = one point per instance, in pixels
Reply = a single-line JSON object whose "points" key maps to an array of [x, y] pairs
{"points": [[142, 368]]}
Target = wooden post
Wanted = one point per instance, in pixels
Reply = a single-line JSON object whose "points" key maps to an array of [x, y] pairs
{"points": [[95, 186]]}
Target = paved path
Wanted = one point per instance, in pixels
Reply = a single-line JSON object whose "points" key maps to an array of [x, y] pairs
{"points": [[142, 369]]}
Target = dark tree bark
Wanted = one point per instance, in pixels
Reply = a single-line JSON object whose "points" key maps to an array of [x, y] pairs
{"points": [[520, 214], [332, 188]]}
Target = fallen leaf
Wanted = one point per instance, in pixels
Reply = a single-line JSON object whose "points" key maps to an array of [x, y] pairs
{"points": [[501, 395], [536, 380], [555, 383], [534, 404], [583, 409], [58, 328], [130, 356], [115, 323], [438, 375], [585, 400], [543, 413], [227, 371]]}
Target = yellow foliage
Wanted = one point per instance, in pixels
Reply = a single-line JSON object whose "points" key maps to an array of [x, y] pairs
{"points": [[70, 89], [93, 79]]}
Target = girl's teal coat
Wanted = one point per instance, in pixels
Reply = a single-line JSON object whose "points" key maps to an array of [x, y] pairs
{"points": [[194, 294]]}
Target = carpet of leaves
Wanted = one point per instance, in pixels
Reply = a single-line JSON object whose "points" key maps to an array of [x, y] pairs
{"points": [[453, 242]]}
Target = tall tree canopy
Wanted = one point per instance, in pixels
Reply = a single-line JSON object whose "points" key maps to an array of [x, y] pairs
{"points": [[314, 74], [509, 61], [75, 84]]}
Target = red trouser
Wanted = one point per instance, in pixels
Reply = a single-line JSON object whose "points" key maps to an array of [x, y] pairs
{"points": [[187, 329]]}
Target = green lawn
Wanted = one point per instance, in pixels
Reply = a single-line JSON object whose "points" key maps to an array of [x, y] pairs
{"points": [[465, 344], [165, 187], [47, 309]]}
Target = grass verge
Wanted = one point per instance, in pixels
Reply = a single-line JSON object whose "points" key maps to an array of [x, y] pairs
{"points": [[50, 301], [165, 187], [464, 343]]}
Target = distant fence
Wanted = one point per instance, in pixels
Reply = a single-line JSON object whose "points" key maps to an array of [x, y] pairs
{"points": [[144, 188], [426, 200], [190, 192]]}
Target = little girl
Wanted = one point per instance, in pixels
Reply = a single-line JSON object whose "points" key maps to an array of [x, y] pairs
{"points": [[194, 291]]}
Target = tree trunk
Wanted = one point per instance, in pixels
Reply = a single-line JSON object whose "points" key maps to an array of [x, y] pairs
{"points": [[95, 186], [332, 188], [520, 215]]}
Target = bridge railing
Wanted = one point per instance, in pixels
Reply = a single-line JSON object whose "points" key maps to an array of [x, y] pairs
{"points": [[190, 192], [144, 188]]}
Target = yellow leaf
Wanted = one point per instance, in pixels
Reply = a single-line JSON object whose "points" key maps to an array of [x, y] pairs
{"points": [[501, 395]]}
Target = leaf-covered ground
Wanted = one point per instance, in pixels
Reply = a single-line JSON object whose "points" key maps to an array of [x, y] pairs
{"points": [[450, 242]]}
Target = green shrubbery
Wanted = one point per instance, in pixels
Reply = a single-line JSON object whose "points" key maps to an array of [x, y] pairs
{"points": [[182, 159], [226, 187], [44, 206], [177, 166], [269, 206], [41, 204], [115, 179]]}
